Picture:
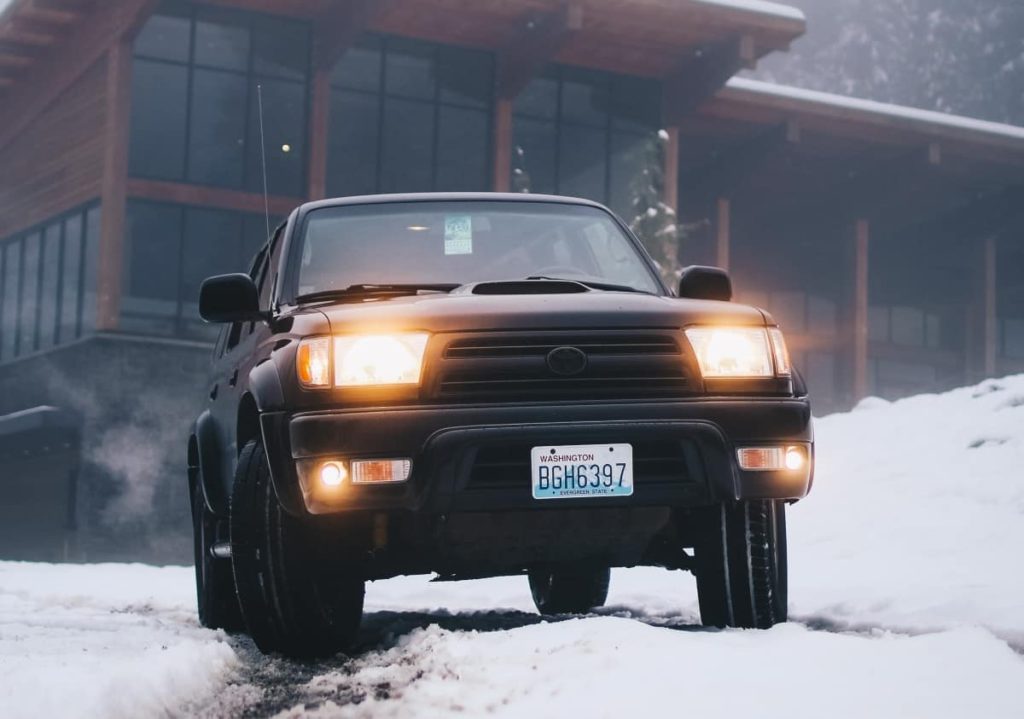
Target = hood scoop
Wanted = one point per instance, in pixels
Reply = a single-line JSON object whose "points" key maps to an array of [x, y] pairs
{"points": [[524, 287]]}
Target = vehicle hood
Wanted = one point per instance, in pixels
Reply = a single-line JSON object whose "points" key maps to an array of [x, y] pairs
{"points": [[469, 312]]}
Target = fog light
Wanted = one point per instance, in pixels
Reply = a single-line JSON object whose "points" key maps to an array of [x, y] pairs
{"points": [[771, 459], [796, 458], [332, 474], [378, 471]]}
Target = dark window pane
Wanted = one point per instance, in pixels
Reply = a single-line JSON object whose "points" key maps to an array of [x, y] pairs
{"points": [[217, 140], [466, 77], [280, 48], [534, 153], [631, 155], [165, 35], [463, 148], [222, 40], [635, 103], [149, 301], [29, 292], [284, 127], [410, 68], [359, 68], [407, 163], [157, 144], [353, 139], [584, 97], [70, 281], [91, 261], [51, 279], [9, 327], [581, 166], [212, 244], [539, 98]]}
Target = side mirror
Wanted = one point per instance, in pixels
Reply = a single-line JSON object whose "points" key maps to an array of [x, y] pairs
{"points": [[229, 298], [705, 283]]}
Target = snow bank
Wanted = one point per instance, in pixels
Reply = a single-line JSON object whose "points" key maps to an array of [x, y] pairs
{"points": [[103, 641]]}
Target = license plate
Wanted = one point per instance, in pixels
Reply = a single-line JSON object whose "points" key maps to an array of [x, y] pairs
{"points": [[581, 470]]}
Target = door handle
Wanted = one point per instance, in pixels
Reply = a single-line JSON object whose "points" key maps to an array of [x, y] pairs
{"points": [[234, 378], [213, 392]]}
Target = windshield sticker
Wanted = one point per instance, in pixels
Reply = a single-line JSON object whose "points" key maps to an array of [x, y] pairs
{"points": [[458, 235]]}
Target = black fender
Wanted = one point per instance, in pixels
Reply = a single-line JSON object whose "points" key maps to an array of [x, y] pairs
{"points": [[268, 393], [265, 386], [215, 489]]}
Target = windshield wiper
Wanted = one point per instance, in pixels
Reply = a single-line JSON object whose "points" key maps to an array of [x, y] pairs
{"points": [[608, 286], [364, 290]]}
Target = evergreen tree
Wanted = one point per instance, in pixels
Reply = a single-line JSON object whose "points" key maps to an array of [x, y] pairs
{"points": [[654, 222]]}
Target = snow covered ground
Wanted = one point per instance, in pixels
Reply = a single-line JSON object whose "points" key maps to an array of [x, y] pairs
{"points": [[907, 594]]}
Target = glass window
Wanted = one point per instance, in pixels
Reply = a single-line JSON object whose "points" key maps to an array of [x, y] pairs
{"points": [[458, 170], [159, 106], [71, 279], [353, 143], [1013, 338], [409, 116], [203, 92], [878, 324], [407, 163], [585, 133], [150, 288], [284, 129], [222, 39], [217, 139], [212, 242], [409, 68], [12, 275], [29, 294], [48, 296], [907, 326], [167, 35], [90, 273], [463, 242]]}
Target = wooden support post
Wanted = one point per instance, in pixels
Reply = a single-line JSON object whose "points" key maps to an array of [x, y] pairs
{"points": [[319, 110], [113, 193], [670, 189], [989, 327], [723, 230], [859, 325], [502, 147]]}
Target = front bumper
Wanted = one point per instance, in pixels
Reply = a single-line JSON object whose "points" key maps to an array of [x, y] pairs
{"points": [[475, 458]]}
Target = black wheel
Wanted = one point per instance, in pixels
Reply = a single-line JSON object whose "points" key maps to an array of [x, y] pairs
{"points": [[215, 585], [741, 564], [294, 601], [569, 588]]}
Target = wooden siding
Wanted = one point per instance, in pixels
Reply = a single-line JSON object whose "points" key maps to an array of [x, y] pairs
{"points": [[57, 162]]}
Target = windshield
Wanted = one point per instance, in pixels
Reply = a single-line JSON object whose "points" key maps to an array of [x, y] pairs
{"points": [[435, 243]]}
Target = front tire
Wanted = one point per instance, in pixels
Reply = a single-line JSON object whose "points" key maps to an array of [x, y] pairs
{"points": [[569, 588], [216, 599], [293, 601], [741, 564]]}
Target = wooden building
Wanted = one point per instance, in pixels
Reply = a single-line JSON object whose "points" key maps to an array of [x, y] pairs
{"points": [[887, 241]]}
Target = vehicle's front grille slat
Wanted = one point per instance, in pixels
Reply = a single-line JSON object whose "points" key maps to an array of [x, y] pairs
{"points": [[623, 364]]}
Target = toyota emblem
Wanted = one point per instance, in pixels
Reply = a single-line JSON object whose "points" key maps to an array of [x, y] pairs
{"points": [[567, 361]]}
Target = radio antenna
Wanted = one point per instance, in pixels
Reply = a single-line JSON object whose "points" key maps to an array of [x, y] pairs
{"points": [[263, 160]]}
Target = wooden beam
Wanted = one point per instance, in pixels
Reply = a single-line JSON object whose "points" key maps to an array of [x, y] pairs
{"points": [[988, 302], [341, 25], [859, 318], [670, 172], [107, 23], [702, 73], [187, 194], [723, 238], [319, 110], [502, 163], [538, 42], [113, 186]]}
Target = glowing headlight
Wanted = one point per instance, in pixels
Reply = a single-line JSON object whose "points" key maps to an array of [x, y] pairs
{"points": [[361, 360], [732, 351]]}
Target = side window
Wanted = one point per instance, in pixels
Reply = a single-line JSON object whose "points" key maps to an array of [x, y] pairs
{"points": [[255, 269], [269, 275]]}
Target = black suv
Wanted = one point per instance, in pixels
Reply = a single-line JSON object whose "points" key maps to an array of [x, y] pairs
{"points": [[477, 385]]}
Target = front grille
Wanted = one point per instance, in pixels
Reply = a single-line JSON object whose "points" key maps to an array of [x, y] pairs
{"points": [[508, 466], [511, 366]]}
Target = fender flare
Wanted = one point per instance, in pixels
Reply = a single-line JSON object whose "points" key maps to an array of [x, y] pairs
{"points": [[268, 394], [213, 486]]}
